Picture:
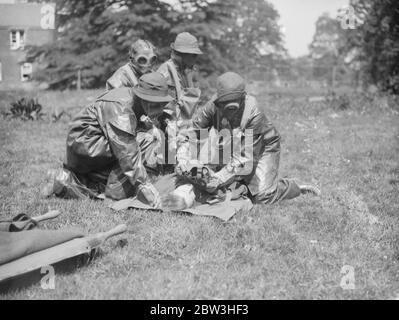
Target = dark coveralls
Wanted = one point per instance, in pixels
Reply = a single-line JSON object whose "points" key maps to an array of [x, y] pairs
{"points": [[262, 181], [107, 149]]}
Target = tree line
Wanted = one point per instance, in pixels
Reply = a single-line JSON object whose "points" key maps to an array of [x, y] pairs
{"points": [[95, 36], [367, 51], [236, 35]]}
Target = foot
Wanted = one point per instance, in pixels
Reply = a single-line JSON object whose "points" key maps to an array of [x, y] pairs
{"points": [[308, 188]]}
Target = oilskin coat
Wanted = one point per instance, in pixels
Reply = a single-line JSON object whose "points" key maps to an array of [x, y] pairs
{"points": [[263, 160], [107, 146], [183, 86], [125, 76]]}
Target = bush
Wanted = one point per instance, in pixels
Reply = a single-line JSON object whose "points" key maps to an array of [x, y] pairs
{"points": [[25, 109]]}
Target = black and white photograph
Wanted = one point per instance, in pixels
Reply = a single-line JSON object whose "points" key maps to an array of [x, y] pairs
{"points": [[212, 152]]}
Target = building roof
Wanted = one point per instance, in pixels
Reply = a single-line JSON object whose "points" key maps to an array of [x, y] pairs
{"points": [[23, 14]]}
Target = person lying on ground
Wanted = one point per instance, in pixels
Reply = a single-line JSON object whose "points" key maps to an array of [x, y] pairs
{"points": [[143, 57], [112, 143], [256, 164]]}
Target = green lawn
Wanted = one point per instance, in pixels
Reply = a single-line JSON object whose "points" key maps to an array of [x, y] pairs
{"points": [[292, 250]]}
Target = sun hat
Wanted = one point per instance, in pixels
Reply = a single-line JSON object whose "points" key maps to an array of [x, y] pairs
{"points": [[185, 42], [153, 87]]}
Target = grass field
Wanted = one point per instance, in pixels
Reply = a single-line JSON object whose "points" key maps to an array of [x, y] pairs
{"points": [[292, 250]]}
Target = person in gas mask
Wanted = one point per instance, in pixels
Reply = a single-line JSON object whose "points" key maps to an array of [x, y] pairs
{"points": [[143, 57], [111, 142], [255, 164], [182, 77]]}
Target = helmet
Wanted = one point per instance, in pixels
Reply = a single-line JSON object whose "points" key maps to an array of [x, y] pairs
{"points": [[142, 55], [230, 91]]}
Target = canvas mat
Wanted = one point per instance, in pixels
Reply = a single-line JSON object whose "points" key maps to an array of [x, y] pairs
{"points": [[223, 210]]}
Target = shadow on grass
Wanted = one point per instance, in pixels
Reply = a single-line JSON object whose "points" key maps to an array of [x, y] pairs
{"points": [[34, 277]]}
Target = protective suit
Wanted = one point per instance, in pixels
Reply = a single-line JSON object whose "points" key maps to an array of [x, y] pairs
{"points": [[125, 76], [182, 76], [110, 143], [142, 60], [183, 87], [256, 163]]}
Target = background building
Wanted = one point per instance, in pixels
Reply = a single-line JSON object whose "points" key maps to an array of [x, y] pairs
{"points": [[22, 24]]}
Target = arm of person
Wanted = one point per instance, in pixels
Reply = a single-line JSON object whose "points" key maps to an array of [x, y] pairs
{"points": [[114, 81], [205, 118], [248, 146], [121, 132]]}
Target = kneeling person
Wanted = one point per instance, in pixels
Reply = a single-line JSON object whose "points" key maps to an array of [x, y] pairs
{"points": [[234, 110], [110, 143]]}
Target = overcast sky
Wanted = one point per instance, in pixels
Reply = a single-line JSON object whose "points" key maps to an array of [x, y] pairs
{"points": [[298, 17]]}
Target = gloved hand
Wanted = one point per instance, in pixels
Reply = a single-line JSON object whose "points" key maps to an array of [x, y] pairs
{"points": [[150, 194], [185, 125], [223, 176], [185, 166], [181, 168], [147, 121], [213, 185]]}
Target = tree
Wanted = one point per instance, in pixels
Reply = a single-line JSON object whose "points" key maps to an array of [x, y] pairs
{"points": [[207, 20], [255, 36], [326, 50], [237, 35], [95, 35], [376, 42]]}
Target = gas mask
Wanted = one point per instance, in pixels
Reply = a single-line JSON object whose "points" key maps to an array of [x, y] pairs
{"points": [[142, 56], [186, 60], [231, 109], [153, 109]]}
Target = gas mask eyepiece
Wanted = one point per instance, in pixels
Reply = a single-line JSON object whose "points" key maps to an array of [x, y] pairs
{"points": [[142, 55]]}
